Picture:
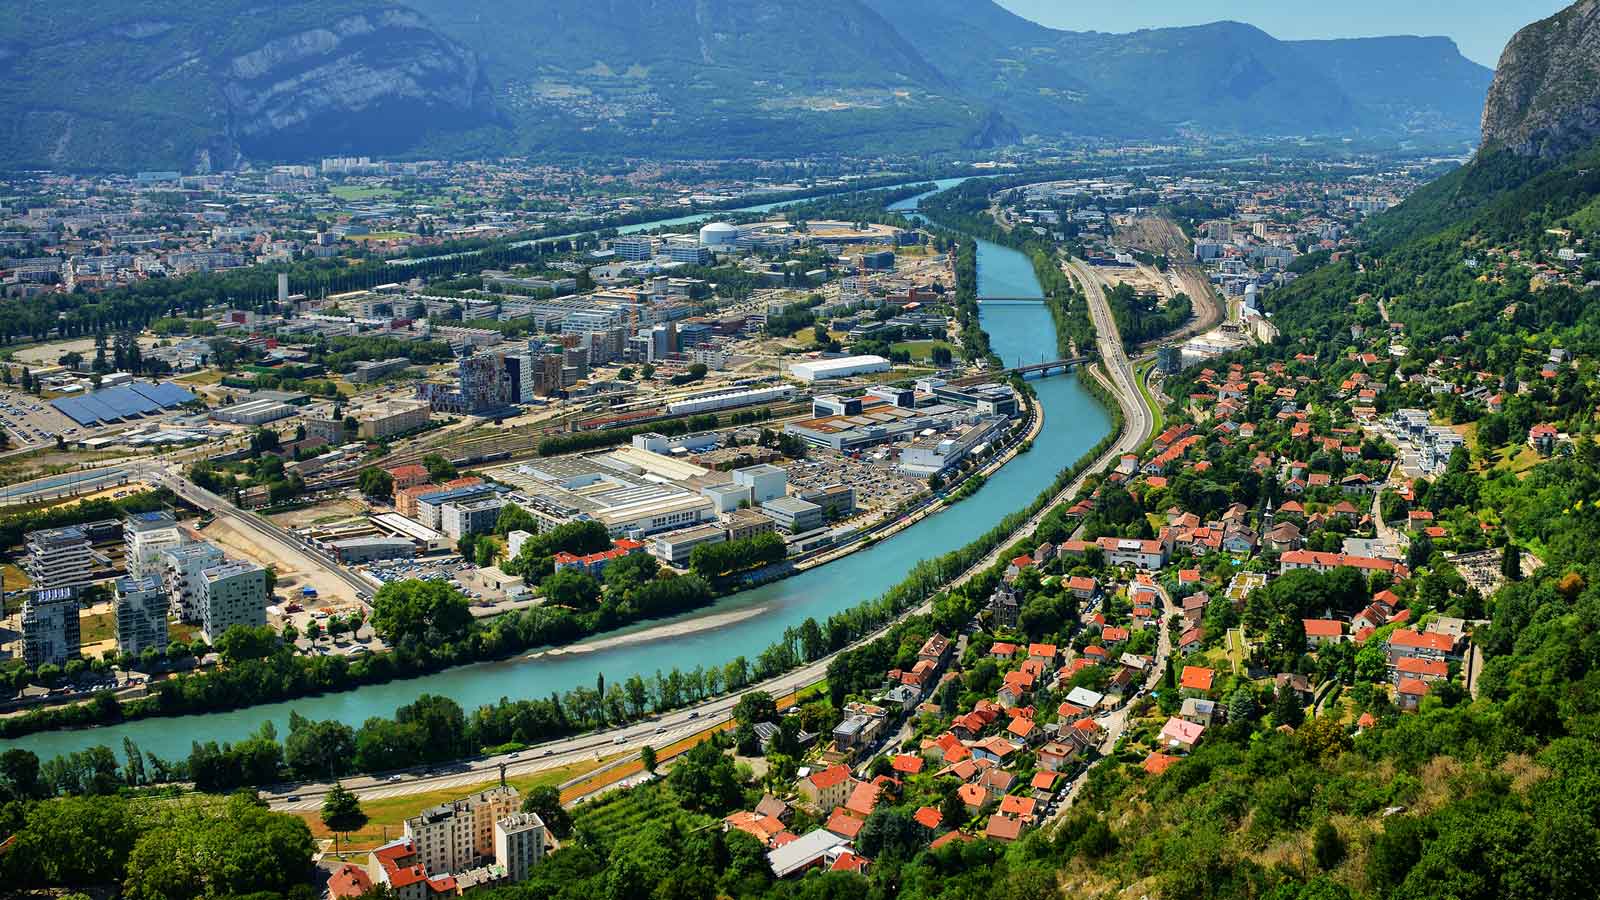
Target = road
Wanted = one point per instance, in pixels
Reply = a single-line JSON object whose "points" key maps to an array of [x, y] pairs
{"points": [[167, 475], [1115, 722], [1125, 385], [674, 726]]}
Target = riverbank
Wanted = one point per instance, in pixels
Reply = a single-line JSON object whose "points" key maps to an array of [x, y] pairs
{"points": [[758, 624]]}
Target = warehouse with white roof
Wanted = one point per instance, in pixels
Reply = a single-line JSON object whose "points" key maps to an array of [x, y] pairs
{"points": [[843, 367]]}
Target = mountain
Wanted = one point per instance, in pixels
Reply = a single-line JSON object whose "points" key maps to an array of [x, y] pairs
{"points": [[162, 84], [711, 78], [157, 84], [1420, 84], [1545, 100]]}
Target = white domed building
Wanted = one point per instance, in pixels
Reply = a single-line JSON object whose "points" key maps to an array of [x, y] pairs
{"points": [[719, 236]]}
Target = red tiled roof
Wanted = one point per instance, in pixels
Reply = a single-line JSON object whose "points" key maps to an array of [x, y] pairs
{"points": [[849, 862], [830, 776], [349, 881], [843, 824], [949, 837], [1323, 627], [1157, 763], [1414, 686], [1411, 665], [907, 763], [928, 817], [1003, 828], [1021, 807], [1043, 780], [1197, 678], [1422, 640]]}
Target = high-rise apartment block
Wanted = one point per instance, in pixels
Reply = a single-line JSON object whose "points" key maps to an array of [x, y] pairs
{"points": [[235, 593], [141, 606], [182, 574], [453, 837], [145, 536], [50, 627], [59, 557]]}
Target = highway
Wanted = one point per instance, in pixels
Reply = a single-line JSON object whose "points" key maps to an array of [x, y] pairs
{"points": [[675, 726], [1125, 386]]}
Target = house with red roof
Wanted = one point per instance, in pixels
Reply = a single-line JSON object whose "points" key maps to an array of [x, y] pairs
{"points": [[1409, 693], [1180, 734], [1197, 680], [973, 796], [828, 788], [907, 764], [1021, 808], [850, 861], [1425, 670], [928, 817], [1157, 763], [1327, 562], [842, 823], [1003, 828], [863, 800], [1320, 632], [350, 880], [1404, 642]]}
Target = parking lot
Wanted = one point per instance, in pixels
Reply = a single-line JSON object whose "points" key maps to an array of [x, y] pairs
{"points": [[30, 421], [877, 486]]}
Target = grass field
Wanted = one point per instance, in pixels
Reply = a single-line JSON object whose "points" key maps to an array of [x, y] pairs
{"points": [[620, 815], [13, 578], [1159, 418], [353, 192], [382, 236], [386, 817], [922, 351], [208, 376], [97, 627]]}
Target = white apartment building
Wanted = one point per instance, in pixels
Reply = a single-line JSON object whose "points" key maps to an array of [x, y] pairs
{"points": [[182, 569], [145, 536], [453, 837], [59, 557], [141, 606], [519, 844], [234, 593]]}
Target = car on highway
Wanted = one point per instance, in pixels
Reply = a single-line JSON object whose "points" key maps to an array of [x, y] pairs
{"points": [[620, 739], [292, 798]]}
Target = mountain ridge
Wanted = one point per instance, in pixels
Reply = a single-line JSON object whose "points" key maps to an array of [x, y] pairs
{"points": [[1545, 99]]}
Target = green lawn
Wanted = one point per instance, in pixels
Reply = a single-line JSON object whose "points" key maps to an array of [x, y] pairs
{"points": [[1160, 418], [353, 192], [922, 351]]}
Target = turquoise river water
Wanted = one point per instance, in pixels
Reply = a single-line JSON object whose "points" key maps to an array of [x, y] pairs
{"points": [[1019, 332]]}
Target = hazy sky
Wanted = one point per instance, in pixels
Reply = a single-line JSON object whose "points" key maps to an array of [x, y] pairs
{"points": [[1480, 27]]}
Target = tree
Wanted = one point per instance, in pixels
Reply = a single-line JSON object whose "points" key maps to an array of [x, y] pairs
{"points": [[439, 468], [1241, 706], [1371, 664], [625, 575], [647, 758], [424, 612], [705, 780], [572, 588], [545, 802], [891, 832], [1511, 563], [242, 642], [754, 707], [376, 483], [341, 812], [1286, 709], [1327, 845]]}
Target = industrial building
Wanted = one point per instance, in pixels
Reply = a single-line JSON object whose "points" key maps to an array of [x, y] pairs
{"points": [[844, 367], [253, 412], [569, 489], [356, 550], [50, 629], [59, 557], [675, 547], [719, 400], [122, 402], [141, 611], [793, 515], [764, 481]]}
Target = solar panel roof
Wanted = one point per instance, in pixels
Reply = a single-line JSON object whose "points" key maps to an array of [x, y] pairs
{"points": [[122, 402]]}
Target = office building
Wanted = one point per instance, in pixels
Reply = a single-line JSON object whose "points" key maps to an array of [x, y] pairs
{"points": [[747, 523], [454, 836], [182, 575], [794, 515], [687, 252], [519, 844], [675, 547], [59, 557], [838, 501], [235, 593], [141, 605], [765, 481], [476, 516], [634, 248], [50, 627], [145, 536]]}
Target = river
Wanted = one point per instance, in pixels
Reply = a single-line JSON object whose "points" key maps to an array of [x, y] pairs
{"points": [[1018, 331]]}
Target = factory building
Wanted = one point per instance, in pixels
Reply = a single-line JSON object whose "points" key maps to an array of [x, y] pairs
{"points": [[844, 367]]}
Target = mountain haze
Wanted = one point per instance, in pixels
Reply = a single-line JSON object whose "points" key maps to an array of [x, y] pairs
{"points": [[156, 83]]}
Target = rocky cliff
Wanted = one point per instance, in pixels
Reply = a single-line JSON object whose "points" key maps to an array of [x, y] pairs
{"points": [[1545, 99], [152, 84]]}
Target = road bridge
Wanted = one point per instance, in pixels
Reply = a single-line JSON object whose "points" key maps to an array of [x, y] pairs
{"points": [[1045, 368]]}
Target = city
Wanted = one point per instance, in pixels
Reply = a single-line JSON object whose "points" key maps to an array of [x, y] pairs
{"points": [[1171, 512]]}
